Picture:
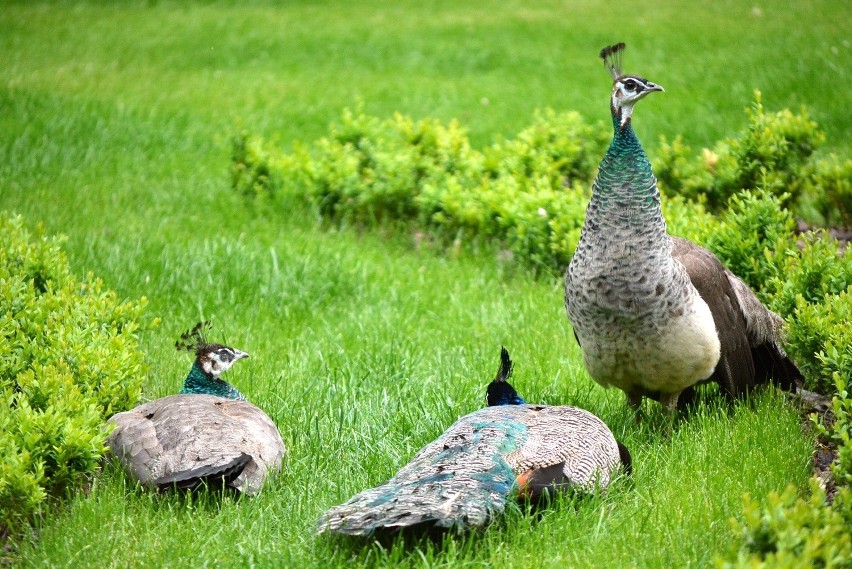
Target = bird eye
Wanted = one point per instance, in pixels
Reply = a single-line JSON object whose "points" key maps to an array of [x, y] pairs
{"points": [[630, 85]]}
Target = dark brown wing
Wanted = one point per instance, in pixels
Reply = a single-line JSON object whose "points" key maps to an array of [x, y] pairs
{"points": [[749, 332], [735, 370]]}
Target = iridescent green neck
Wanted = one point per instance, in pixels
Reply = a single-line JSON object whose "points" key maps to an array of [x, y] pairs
{"points": [[200, 383], [625, 173]]}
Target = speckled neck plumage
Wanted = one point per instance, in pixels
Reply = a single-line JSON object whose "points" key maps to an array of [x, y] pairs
{"points": [[199, 382], [624, 233], [625, 182]]}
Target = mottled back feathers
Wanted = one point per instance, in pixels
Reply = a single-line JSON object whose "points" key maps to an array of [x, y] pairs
{"points": [[187, 440]]}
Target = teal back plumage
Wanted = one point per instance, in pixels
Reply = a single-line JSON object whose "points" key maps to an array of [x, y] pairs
{"points": [[199, 383]]}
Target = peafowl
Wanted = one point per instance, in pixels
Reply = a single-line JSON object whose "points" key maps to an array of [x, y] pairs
{"points": [[207, 434], [655, 315], [464, 478]]}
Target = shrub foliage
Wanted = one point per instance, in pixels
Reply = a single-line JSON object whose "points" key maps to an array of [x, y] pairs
{"points": [[70, 359], [775, 151], [370, 171], [793, 532]]}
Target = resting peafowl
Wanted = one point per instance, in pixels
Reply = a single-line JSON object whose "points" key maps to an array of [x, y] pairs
{"points": [[655, 315], [208, 433], [464, 478]]}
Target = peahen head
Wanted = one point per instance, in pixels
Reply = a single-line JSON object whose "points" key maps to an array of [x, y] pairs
{"points": [[216, 359], [626, 89], [211, 361], [500, 391]]}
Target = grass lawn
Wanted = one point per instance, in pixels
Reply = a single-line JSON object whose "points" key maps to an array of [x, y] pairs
{"points": [[115, 125]]}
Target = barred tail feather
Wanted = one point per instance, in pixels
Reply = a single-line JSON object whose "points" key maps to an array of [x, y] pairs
{"points": [[443, 501], [457, 487]]}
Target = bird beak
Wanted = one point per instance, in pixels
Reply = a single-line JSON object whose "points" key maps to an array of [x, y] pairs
{"points": [[239, 355], [655, 87]]}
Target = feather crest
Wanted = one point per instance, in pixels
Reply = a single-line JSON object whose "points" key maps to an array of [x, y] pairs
{"points": [[612, 56], [506, 365], [193, 340]]}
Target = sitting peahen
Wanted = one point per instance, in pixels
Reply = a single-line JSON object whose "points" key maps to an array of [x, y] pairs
{"points": [[655, 315], [207, 434], [464, 478]]}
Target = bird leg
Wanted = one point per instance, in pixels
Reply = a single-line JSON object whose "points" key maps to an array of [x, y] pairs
{"points": [[669, 402], [634, 401]]}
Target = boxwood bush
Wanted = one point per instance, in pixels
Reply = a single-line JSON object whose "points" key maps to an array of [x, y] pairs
{"points": [[793, 532], [529, 194], [805, 278], [70, 359], [777, 151]]}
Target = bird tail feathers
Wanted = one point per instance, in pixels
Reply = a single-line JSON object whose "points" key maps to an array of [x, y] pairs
{"points": [[429, 493], [217, 476]]}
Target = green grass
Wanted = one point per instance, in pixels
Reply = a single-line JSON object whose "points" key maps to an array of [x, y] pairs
{"points": [[115, 122]]}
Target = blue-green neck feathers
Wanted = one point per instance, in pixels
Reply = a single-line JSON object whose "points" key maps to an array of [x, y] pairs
{"points": [[199, 382], [625, 170]]}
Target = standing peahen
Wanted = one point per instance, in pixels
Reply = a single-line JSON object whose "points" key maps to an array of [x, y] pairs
{"points": [[655, 315], [464, 478], [208, 433]]}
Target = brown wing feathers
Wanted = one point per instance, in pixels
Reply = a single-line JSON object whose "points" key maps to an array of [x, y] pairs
{"points": [[749, 332]]}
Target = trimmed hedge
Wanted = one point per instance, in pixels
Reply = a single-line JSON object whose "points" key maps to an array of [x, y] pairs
{"points": [[775, 151], [793, 532], [529, 195], [70, 359]]}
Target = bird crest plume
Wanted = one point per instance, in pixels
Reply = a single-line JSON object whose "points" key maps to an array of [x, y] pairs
{"points": [[506, 366], [194, 339], [612, 58]]}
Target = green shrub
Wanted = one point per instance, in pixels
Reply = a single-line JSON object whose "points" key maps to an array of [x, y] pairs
{"points": [[819, 339], [251, 169], [559, 147], [814, 266], [792, 532], [528, 193], [369, 171], [805, 278], [838, 434], [70, 360], [774, 151], [754, 238], [830, 187]]}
